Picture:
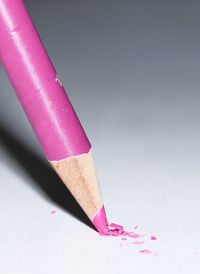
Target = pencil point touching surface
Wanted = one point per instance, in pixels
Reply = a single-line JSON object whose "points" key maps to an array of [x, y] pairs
{"points": [[100, 222]]}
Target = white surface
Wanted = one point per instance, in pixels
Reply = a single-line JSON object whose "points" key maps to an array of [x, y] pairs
{"points": [[160, 194]]}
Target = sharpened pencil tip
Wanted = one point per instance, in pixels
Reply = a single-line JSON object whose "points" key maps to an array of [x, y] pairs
{"points": [[100, 222]]}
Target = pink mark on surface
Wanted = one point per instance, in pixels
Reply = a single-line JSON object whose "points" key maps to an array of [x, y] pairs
{"points": [[133, 235], [148, 252], [153, 238], [124, 239], [136, 227], [138, 243], [53, 212], [145, 251]]}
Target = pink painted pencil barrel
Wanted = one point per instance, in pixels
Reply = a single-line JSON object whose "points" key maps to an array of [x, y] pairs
{"points": [[41, 95], [38, 89]]}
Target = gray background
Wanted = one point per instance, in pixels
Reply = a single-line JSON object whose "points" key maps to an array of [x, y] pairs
{"points": [[132, 70]]}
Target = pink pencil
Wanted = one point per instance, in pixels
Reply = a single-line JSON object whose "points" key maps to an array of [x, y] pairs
{"points": [[49, 109]]}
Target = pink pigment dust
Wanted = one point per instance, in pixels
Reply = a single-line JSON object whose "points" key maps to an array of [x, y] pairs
{"points": [[148, 252], [153, 238], [138, 243], [115, 230], [145, 251], [127, 237], [53, 212], [118, 230]]}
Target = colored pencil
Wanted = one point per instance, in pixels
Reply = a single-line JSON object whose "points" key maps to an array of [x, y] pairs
{"points": [[49, 109]]}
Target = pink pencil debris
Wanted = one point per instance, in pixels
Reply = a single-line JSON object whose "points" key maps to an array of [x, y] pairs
{"points": [[138, 243], [133, 234], [118, 230], [153, 237], [53, 211], [145, 251], [115, 230], [148, 252]]}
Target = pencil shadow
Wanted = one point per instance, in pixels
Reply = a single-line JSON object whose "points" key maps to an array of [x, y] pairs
{"points": [[43, 177]]}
